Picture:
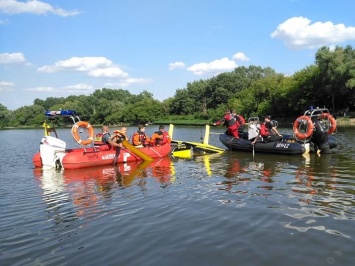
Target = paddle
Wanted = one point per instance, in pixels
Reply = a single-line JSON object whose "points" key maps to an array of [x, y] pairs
{"points": [[136, 151]]}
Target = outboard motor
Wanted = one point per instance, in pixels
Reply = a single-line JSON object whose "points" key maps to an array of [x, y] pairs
{"points": [[52, 151], [253, 127], [320, 137]]}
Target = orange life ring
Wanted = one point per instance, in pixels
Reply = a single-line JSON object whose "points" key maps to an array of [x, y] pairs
{"points": [[310, 127], [76, 135], [333, 122]]}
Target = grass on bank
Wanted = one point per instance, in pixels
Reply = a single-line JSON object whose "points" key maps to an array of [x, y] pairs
{"points": [[182, 122]]}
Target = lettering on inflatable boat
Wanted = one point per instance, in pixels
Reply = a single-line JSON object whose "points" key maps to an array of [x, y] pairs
{"points": [[282, 145], [108, 157], [112, 156]]}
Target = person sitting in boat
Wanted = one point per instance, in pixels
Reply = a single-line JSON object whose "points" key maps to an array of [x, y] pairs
{"points": [[231, 123], [160, 137], [240, 120], [140, 138], [98, 136], [268, 131]]}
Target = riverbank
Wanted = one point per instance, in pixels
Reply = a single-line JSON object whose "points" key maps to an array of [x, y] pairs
{"points": [[346, 121], [341, 121]]}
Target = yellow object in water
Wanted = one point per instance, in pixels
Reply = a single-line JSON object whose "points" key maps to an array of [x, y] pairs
{"points": [[136, 151], [184, 154], [193, 148]]}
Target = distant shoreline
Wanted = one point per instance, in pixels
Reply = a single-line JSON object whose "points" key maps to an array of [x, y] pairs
{"points": [[342, 121], [346, 121]]}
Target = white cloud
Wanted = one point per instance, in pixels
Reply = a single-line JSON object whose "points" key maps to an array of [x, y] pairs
{"points": [[5, 89], [298, 32], [176, 65], [41, 89], [332, 48], [129, 81], [109, 72], [70, 89], [14, 58], [6, 86], [33, 7], [240, 57], [78, 64], [214, 67], [97, 67], [94, 66], [78, 88]]}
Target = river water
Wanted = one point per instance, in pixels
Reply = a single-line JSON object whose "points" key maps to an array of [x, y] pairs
{"points": [[228, 209]]}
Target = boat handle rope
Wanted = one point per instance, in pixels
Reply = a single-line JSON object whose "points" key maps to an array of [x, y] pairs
{"points": [[156, 152]]}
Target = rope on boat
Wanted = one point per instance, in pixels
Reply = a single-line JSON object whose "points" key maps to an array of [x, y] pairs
{"points": [[156, 152]]}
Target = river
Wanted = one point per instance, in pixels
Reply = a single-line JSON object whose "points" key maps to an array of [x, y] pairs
{"points": [[227, 209]]}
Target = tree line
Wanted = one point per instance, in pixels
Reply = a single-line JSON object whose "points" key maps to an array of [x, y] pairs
{"points": [[252, 91]]}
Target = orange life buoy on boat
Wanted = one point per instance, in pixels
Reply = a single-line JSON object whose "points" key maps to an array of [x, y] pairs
{"points": [[76, 135], [310, 127], [333, 122]]}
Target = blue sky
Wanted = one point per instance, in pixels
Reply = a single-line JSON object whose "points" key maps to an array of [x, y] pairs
{"points": [[61, 48]]}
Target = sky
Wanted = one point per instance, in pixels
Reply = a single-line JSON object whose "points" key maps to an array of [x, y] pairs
{"points": [[61, 48]]}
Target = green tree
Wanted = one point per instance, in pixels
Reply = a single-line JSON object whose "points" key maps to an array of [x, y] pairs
{"points": [[49, 102], [29, 115], [337, 69], [6, 116], [182, 103], [305, 89], [144, 111]]}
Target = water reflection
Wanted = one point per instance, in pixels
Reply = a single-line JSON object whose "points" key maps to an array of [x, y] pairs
{"points": [[307, 174], [307, 189], [55, 195], [267, 169], [90, 189], [316, 175]]}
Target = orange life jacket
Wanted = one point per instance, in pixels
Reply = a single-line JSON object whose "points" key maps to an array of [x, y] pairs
{"points": [[160, 138], [140, 138]]}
